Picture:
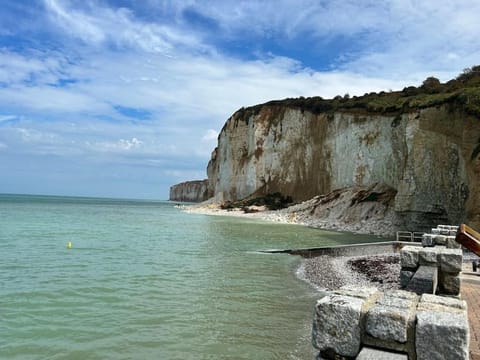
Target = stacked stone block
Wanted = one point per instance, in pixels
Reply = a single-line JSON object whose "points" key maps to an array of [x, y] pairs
{"points": [[442, 235], [442, 330], [364, 322], [431, 269], [390, 321]]}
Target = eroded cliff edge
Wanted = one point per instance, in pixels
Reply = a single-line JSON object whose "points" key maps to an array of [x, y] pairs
{"points": [[190, 191], [425, 148]]}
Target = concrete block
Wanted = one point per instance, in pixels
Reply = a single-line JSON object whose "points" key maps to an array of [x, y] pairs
{"points": [[336, 324], [436, 231], [449, 284], [450, 260], [444, 232], [452, 244], [444, 301], [409, 257], [427, 256], [441, 333], [405, 277], [424, 281], [452, 233], [427, 240], [375, 354], [440, 239], [390, 317], [401, 294], [355, 291]]}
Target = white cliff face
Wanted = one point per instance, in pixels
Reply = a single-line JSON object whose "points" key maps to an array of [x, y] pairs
{"points": [[190, 191], [426, 156]]}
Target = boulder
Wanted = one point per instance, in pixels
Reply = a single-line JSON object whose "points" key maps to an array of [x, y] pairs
{"points": [[450, 260], [440, 239], [368, 353], [389, 318], [427, 256], [424, 281], [450, 284], [409, 257], [405, 277], [442, 332], [336, 324], [427, 240]]}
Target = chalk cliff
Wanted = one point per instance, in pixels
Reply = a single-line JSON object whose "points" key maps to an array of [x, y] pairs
{"points": [[428, 155], [190, 191]]}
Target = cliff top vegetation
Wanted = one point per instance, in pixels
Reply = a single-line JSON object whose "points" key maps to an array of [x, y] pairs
{"points": [[464, 90]]}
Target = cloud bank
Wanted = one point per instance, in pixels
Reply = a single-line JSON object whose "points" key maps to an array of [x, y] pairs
{"points": [[125, 101]]}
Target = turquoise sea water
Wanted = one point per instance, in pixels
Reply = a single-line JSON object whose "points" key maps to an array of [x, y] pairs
{"points": [[144, 280]]}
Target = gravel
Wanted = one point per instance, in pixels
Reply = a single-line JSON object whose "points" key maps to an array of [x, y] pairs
{"points": [[328, 273]]}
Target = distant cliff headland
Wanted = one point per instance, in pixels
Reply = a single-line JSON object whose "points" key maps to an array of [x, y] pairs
{"points": [[412, 155], [190, 191]]}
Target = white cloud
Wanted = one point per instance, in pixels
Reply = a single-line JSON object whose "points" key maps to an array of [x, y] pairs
{"points": [[3, 146], [7, 118], [77, 23], [97, 24], [35, 136], [210, 135], [77, 100], [122, 145]]}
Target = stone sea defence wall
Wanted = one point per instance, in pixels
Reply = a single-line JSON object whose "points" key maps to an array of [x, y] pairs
{"points": [[429, 157], [190, 191], [350, 320]]}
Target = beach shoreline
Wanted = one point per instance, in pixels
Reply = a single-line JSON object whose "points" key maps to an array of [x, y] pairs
{"points": [[306, 214], [323, 272]]}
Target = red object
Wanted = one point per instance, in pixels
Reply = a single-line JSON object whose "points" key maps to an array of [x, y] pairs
{"points": [[468, 238]]}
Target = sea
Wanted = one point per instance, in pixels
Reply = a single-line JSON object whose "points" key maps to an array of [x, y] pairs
{"points": [[144, 280]]}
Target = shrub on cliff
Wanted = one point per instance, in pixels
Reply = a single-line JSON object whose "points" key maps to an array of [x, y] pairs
{"points": [[432, 85], [463, 91]]}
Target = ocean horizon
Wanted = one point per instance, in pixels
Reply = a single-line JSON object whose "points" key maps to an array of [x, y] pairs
{"points": [[145, 280]]}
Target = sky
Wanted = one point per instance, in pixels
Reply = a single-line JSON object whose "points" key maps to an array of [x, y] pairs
{"points": [[124, 98]]}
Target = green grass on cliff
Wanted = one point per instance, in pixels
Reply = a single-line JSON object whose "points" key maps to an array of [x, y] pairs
{"points": [[464, 92]]}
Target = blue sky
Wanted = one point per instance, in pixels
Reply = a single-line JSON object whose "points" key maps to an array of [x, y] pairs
{"points": [[125, 98]]}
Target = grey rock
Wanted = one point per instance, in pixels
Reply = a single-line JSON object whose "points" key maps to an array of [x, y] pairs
{"points": [[402, 294], [409, 257], [450, 284], [355, 291], [450, 260], [442, 300], [440, 240], [452, 243], [390, 318], [441, 333], [376, 354], [427, 256], [405, 277], [336, 324], [424, 281], [427, 240]]}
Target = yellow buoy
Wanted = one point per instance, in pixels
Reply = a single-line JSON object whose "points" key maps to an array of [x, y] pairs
{"points": [[69, 245]]}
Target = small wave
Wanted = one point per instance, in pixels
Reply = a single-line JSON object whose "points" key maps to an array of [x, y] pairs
{"points": [[301, 274]]}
